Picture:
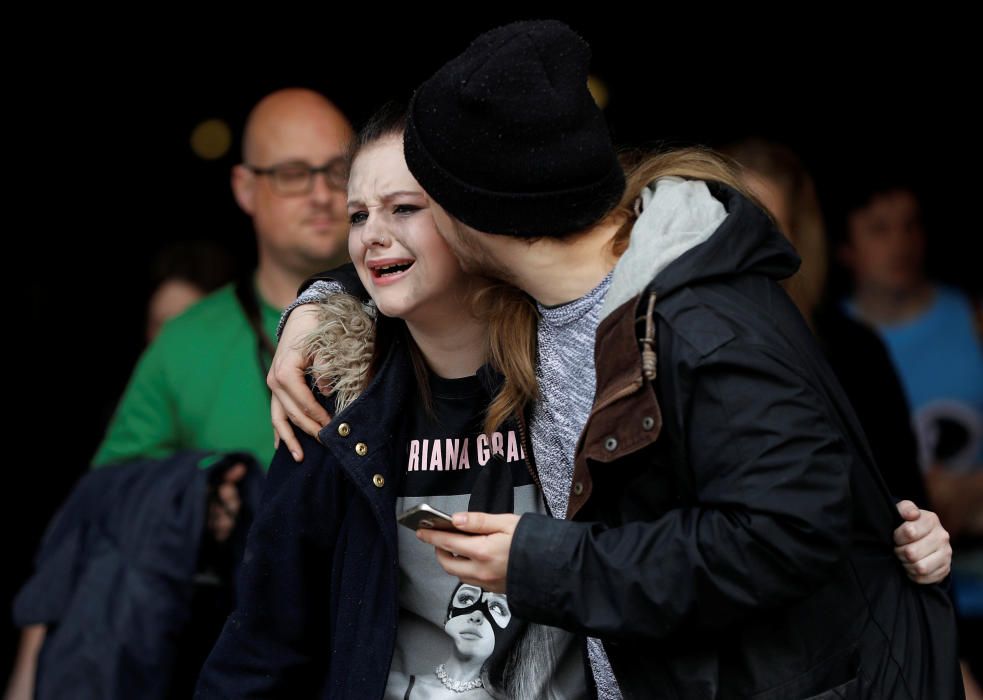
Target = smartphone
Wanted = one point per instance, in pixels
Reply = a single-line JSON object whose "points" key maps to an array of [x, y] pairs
{"points": [[425, 517]]}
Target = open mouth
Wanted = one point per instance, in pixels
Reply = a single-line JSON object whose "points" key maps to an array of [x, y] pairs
{"points": [[388, 269]]}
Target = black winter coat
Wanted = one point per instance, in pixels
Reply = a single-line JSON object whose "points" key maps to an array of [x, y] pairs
{"points": [[731, 534]]}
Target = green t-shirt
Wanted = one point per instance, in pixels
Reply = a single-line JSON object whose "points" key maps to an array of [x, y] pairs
{"points": [[198, 385]]}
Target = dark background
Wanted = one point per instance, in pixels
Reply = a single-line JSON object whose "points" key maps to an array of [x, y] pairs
{"points": [[103, 173]]}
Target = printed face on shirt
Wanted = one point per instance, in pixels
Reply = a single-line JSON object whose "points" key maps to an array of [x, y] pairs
{"points": [[474, 618], [886, 247], [405, 265]]}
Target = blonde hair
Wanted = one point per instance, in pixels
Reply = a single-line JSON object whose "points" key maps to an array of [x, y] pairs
{"points": [[512, 321], [780, 165], [692, 163]]}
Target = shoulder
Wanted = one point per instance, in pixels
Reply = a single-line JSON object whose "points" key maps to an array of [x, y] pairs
{"points": [[299, 489], [201, 328], [701, 328], [218, 309], [953, 300], [736, 324]]}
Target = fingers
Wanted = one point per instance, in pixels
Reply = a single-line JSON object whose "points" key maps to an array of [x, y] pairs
{"points": [[918, 550], [286, 377], [486, 523], [221, 522], [462, 545], [224, 509], [931, 569], [228, 496], [283, 429], [927, 558], [235, 473], [461, 567], [479, 559], [297, 401], [908, 510], [916, 529]]}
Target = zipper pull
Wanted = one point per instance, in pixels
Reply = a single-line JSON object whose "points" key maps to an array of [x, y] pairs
{"points": [[648, 342]]}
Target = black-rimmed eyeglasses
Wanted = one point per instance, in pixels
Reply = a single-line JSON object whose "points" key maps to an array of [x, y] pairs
{"points": [[297, 177]]}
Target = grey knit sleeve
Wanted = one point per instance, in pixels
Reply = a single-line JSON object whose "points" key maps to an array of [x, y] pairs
{"points": [[318, 291]]}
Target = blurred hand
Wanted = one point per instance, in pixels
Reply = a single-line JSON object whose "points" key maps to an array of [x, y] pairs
{"points": [[223, 510], [292, 401], [20, 686]]}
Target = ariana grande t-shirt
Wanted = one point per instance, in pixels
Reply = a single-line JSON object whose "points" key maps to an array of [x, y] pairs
{"points": [[455, 640]]}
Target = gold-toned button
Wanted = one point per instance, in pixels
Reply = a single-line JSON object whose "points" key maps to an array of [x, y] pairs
{"points": [[378, 480], [361, 449], [344, 430], [578, 488]]}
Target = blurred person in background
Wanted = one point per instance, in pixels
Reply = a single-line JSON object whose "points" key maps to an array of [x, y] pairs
{"points": [[201, 382], [932, 333]]}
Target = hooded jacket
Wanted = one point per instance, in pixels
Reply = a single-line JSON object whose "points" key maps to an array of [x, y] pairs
{"points": [[731, 535]]}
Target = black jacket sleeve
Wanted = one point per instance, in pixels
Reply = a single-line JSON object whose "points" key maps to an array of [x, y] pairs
{"points": [[771, 517], [345, 275]]}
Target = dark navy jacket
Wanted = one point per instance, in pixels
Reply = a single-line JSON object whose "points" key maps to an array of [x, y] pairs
{"points": [[114, 577], [318, 602]]}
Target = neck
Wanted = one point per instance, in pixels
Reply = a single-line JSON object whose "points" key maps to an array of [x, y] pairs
{"points": [[461, 670], [453, 347], [278, 284], [555, 271], [883, 307]]}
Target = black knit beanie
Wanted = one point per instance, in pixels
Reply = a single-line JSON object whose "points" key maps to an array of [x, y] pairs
{"points": [[507, 138]]}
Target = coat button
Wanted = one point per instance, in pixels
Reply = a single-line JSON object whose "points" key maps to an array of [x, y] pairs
{"points": [[361, 449], [578, 488], [344, 430], [610, 444], [648, 422], [378, 480]]}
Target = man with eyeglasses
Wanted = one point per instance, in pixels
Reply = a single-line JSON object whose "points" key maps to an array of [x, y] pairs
{"points": [[201, 384]]}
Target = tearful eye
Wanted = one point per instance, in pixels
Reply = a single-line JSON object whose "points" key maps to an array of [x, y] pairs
{"points": [[357, 218]]}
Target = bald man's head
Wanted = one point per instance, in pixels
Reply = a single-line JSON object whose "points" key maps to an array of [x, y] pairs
{"points": [[294, 130], [293, 109]]}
